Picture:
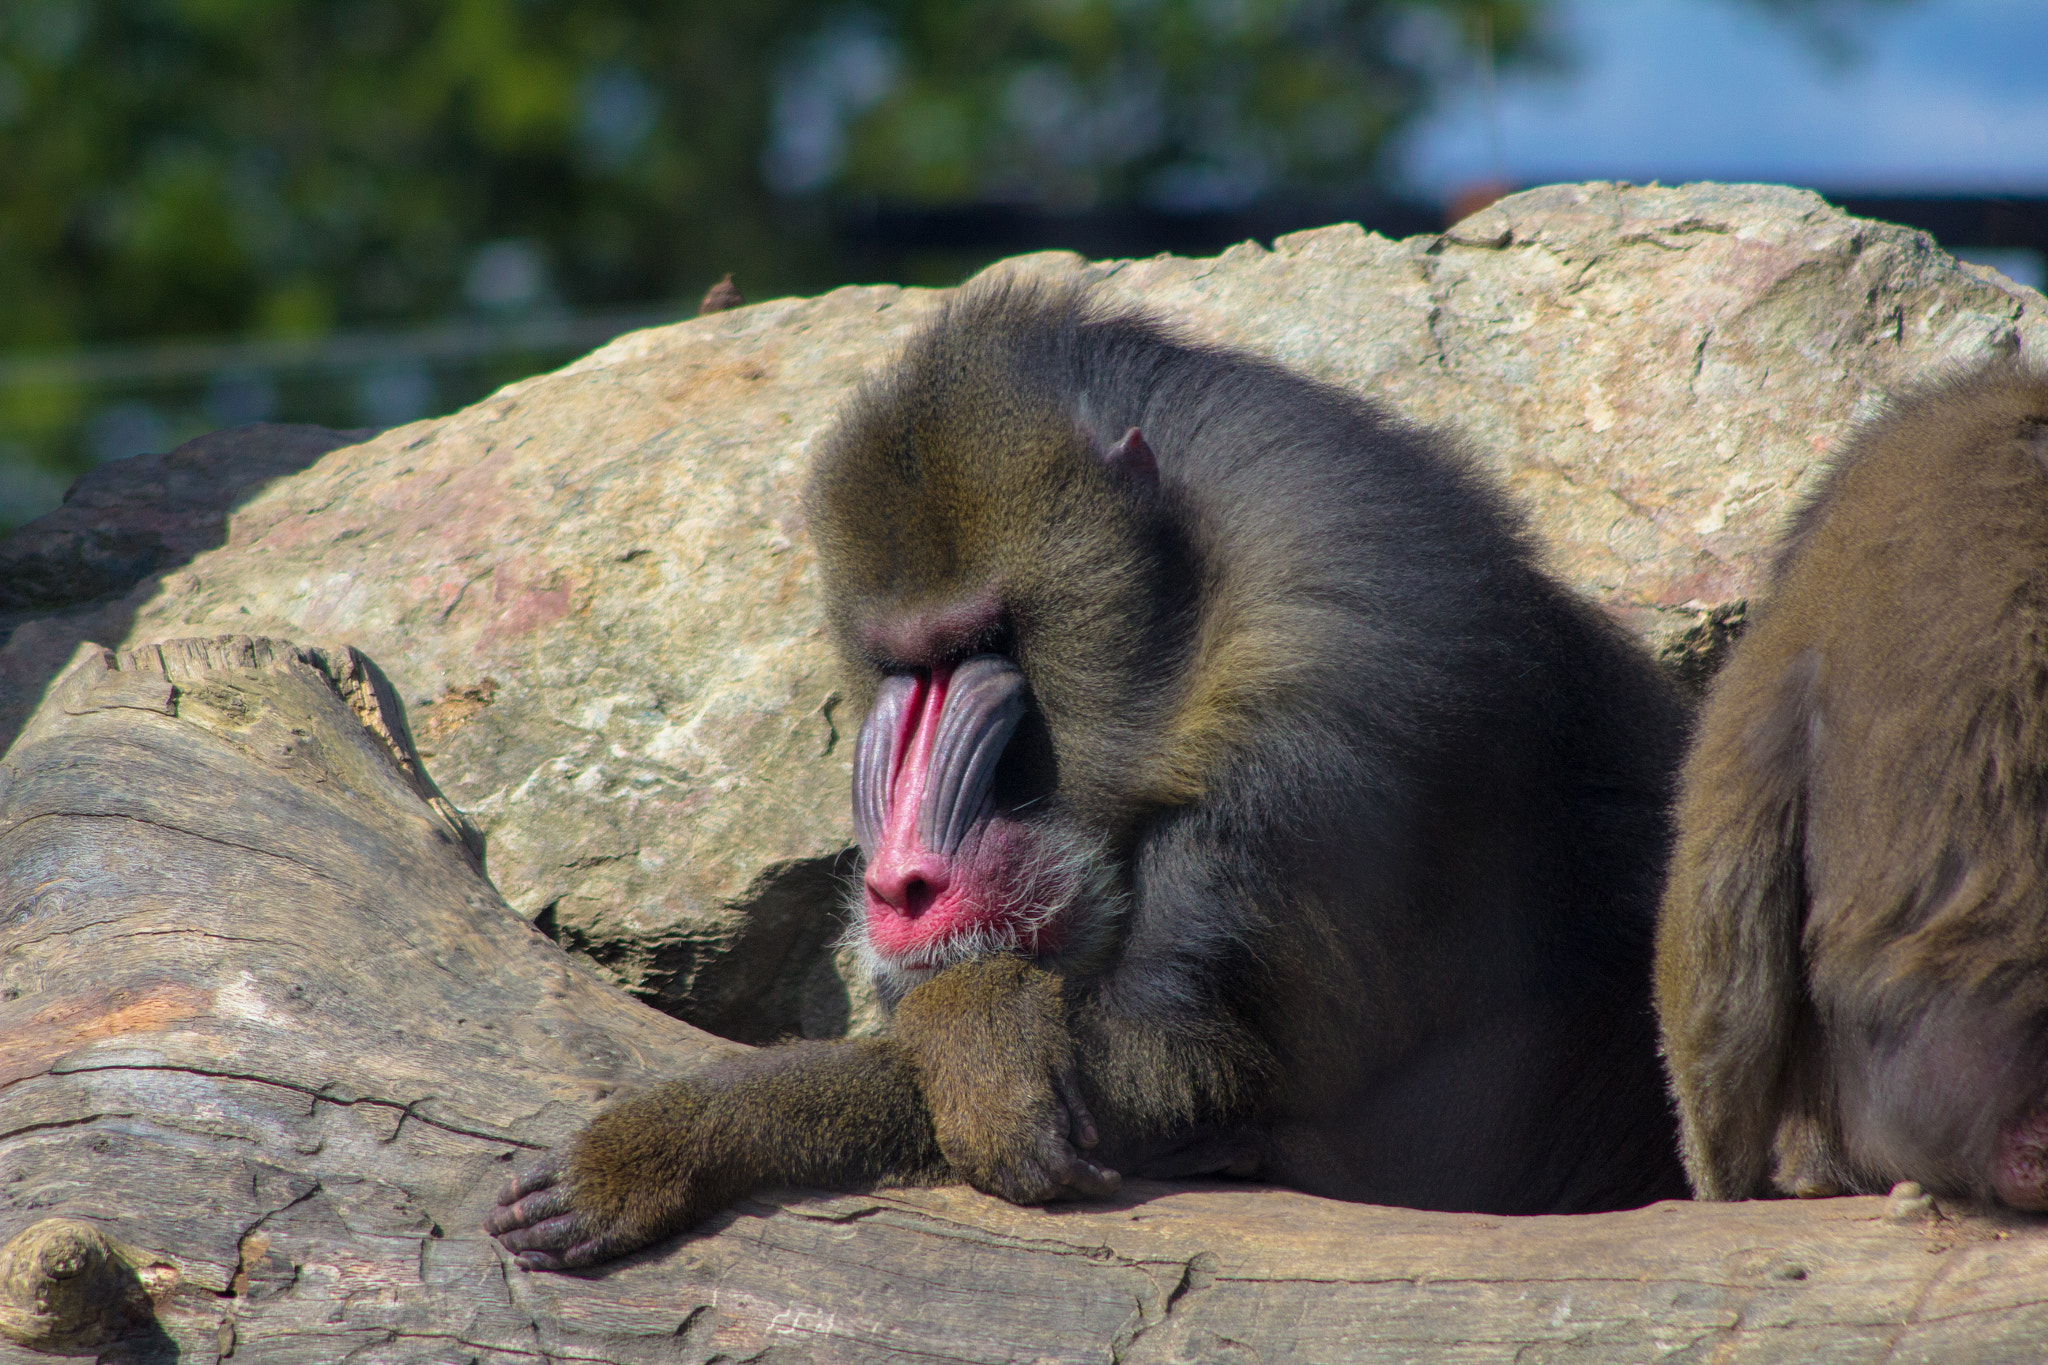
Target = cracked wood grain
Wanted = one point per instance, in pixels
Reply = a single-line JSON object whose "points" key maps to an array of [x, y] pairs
{"points": [[263, 1019]]}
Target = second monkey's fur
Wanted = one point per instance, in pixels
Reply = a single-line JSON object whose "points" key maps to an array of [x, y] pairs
{"points": [[1853, 962]]}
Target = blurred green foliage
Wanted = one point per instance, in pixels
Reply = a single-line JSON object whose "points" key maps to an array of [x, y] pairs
{"points": [[285, 168]]}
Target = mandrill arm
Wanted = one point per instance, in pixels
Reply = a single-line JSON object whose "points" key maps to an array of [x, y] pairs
{"points": [[829, 1114], [990, 1046], [976, 1083]]}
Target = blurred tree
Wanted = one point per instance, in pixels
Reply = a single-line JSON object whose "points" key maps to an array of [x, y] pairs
{"points": [[1832, 30], [1183, 104], [284, 168], [251, 166]]}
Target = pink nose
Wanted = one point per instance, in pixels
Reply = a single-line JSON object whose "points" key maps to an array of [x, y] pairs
{"points": [[907, 882]]}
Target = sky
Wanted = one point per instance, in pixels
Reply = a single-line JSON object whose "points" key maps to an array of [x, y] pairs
{"points": [[1947, 95]]}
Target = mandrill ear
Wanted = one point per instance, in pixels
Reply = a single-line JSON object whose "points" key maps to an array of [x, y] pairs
{"points": [[1133, 458]]}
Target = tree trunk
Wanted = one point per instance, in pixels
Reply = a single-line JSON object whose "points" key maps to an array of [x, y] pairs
{"points": [[271, 1041]]}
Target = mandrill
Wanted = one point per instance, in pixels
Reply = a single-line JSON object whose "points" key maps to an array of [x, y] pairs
{"points": [[1852, 967], [1237, 797]]}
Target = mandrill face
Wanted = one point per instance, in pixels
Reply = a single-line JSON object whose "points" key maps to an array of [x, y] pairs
{"points": [[991, 793], [1011, 594], [952, 871]]}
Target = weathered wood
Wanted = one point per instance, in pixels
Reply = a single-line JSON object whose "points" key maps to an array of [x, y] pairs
{"points": [[264, 1022], [65, 1286]]}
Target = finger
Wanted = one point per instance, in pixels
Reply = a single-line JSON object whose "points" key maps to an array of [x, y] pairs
{"points": [[552, 1235], [526, 1212], [526, 1182], [1080, 1123], [1083, 1179], [538, 1260]]}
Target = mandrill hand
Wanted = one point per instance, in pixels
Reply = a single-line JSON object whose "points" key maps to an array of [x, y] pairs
{"points": [[990, 1044], [644, 1169], [834, 1115], [537, 1220]]}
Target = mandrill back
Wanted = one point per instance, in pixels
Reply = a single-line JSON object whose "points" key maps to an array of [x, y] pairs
{"points": [[1354, 818], [1853, 964]]}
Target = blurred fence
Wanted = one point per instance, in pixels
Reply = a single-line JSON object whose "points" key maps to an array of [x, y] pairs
{"points": [[62, 413]]}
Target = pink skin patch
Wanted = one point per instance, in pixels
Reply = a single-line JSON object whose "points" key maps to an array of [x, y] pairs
{"points": [[926, 637], [2021, 1172], [918, 899]]}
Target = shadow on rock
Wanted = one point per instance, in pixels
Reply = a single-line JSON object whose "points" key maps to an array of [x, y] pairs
{"points": [[73, 574]]}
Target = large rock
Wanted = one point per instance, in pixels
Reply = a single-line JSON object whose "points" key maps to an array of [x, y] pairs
{"points": [[594, 593]]}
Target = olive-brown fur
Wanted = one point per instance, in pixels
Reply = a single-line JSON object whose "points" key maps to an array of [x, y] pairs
{"points": [[995, 1060], [1383, 808], [1852, 963], [1366, 814], [800, 1114]]}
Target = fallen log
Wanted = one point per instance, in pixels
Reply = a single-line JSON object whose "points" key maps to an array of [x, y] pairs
{"points": [[270, 1041]]}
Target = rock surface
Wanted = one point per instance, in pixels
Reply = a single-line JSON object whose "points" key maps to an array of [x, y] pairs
{"points": [[594, 594]]}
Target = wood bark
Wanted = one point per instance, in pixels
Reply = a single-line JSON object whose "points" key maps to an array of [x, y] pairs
{"points": [[271, 1041]]}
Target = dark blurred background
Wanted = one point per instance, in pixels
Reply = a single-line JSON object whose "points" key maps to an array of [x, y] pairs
{"points": [[360, 212]]}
